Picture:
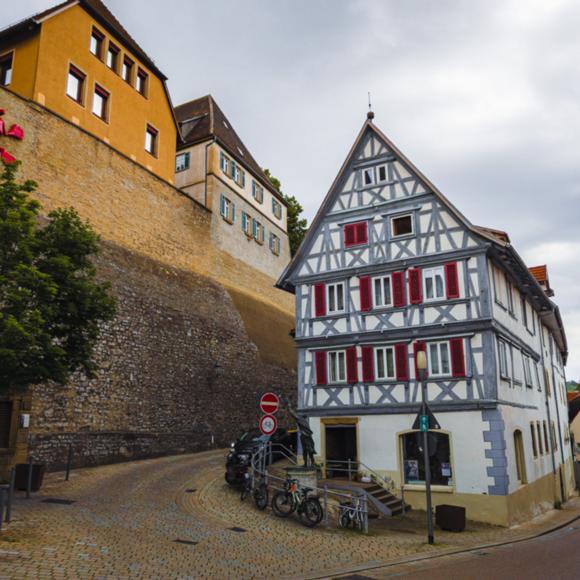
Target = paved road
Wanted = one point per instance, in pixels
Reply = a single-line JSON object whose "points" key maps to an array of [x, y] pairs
{"points": [[555, 556], [174, 517]]}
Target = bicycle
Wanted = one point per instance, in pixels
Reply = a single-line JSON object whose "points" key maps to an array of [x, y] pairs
{"points": [[350, 515], [295, 499], [260, 492]]}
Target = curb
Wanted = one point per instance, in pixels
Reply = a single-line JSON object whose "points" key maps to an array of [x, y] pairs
{"points": [[440, 554]]}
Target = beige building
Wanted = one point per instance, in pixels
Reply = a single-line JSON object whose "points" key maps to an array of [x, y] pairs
{"points": [[215, 168]]}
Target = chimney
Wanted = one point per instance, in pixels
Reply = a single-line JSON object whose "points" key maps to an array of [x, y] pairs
{"points": [[540, 273]]}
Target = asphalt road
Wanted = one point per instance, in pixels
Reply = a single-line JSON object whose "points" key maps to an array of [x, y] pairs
{"points": [[553, 556]]}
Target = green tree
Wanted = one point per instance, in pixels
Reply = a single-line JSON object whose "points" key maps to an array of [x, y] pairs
{"points": [[297, 226], [51, 305]]}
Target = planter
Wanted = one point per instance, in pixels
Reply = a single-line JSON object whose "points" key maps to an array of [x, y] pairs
{"points": [[21, 479], [450, 518]]}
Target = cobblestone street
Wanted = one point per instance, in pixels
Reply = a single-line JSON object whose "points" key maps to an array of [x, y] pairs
{"points": [[171, 518]]}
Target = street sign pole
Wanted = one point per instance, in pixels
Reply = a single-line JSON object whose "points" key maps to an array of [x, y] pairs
{"points": [[424, 422]]}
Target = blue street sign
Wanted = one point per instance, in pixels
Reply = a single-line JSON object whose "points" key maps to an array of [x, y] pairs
{"points": [[424, 423]]}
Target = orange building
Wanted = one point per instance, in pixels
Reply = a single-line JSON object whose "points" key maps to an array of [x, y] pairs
{"points": [[77, 60]]}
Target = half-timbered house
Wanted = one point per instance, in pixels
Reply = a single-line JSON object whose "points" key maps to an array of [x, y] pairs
{"points": [[391, 267]]}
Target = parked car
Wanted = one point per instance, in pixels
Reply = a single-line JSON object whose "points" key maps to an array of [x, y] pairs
{"points": [[240, 454]]}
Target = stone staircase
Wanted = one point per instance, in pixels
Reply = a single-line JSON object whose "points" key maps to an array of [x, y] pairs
{"points": [[383, 501]]}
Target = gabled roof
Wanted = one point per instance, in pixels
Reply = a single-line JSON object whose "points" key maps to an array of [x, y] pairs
{"points": [[202, 119], [500, 245], [102, 14]]}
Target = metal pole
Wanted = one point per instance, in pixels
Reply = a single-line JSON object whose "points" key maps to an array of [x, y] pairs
{"points": [[29, 477], [349, 478], [325, 501], [10, 494], [68, 463], [427, 467], [2, 495]]}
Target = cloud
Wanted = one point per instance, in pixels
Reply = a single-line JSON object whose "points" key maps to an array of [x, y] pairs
{"points": [[482, 95]]}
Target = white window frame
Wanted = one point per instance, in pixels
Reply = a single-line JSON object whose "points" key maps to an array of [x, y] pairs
{"points": [[370, 171], [258, 231], [257, 191], [381, 371], [439, 346], [336, 361], [333, 288], [408, 235], [386, 168], [247, 226], [382, 279], [227, 209], [276, 208], [225, 163], [503, 361], [431, 274], [528, 379], [185, 166]]}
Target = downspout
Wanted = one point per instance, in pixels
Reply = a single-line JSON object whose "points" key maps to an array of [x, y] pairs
{"points": [[558, 420], [206, 172]]}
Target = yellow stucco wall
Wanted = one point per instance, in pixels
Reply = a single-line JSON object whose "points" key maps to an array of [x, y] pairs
{"points": [[64, 39]]}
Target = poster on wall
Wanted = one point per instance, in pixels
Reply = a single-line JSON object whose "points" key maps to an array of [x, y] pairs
{"points": [[446, 469], [411, 470]]}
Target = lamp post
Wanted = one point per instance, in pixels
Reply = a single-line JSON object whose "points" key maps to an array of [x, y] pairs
{"points": [[424, 424]]}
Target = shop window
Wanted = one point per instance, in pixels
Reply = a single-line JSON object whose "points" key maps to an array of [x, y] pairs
{"points": [[439, 458]]}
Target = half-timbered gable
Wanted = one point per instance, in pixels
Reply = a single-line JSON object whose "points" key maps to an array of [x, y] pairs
{"points": [[390, 268]]}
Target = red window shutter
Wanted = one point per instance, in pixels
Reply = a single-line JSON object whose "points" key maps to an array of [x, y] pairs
{"points": [[349, 235], [319, 299], [320, 360], [418, 346], [366, 302], [452, 280], [368, 367], [415, 294], [362, 234], [398, 280], [351, 365], [457, 357], [401, 362]]}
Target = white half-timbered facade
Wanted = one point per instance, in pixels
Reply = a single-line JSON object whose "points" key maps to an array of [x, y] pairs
{"points": [[390, 267]]}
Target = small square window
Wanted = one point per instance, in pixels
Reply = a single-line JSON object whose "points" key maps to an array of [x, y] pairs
{"points": [[101, 103], [113, 57], [142, 82], [182, 162], [6, 69], [151, 138], [96, 45], [402, 226], [127, 70], [75, 84]]}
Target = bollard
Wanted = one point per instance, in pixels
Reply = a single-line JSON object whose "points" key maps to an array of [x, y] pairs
{"points": [[29, 478], [325, 504], [10, 495], [68, 463]]}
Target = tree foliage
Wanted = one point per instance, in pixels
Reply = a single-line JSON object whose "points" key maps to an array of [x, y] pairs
{"points": [[297, 226], [51, 306]]}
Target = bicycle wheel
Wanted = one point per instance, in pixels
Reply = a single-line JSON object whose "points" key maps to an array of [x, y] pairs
{"points": [[282, 504], [344, 519], [311, 514], [261, 497]]}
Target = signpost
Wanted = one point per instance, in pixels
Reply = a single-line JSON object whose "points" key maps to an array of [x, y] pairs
{"points": [[268, 424], [269, 403]]}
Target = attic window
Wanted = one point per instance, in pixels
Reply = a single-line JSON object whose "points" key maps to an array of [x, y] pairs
{"points": [[402, 226], [368, 176]]}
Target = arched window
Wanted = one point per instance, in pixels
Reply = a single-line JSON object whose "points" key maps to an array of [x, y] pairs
{"points": [[439, 458], [520, 457]]}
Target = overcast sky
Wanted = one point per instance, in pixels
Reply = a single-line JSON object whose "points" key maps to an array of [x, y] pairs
{"points": [[482, 95]]}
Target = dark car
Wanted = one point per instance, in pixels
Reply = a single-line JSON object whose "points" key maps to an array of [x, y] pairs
{"points": [[240, 455]]}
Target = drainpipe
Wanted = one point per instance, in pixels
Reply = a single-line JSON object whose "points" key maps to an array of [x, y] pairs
{"points": [[556, 394], [206, 150]]}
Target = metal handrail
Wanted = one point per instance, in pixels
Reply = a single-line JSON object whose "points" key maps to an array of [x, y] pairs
{"points": [[385, 482], [263, 457]]}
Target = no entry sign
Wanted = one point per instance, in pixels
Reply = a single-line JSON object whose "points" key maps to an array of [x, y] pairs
{"points": [[269, 403], [268, 424]]}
